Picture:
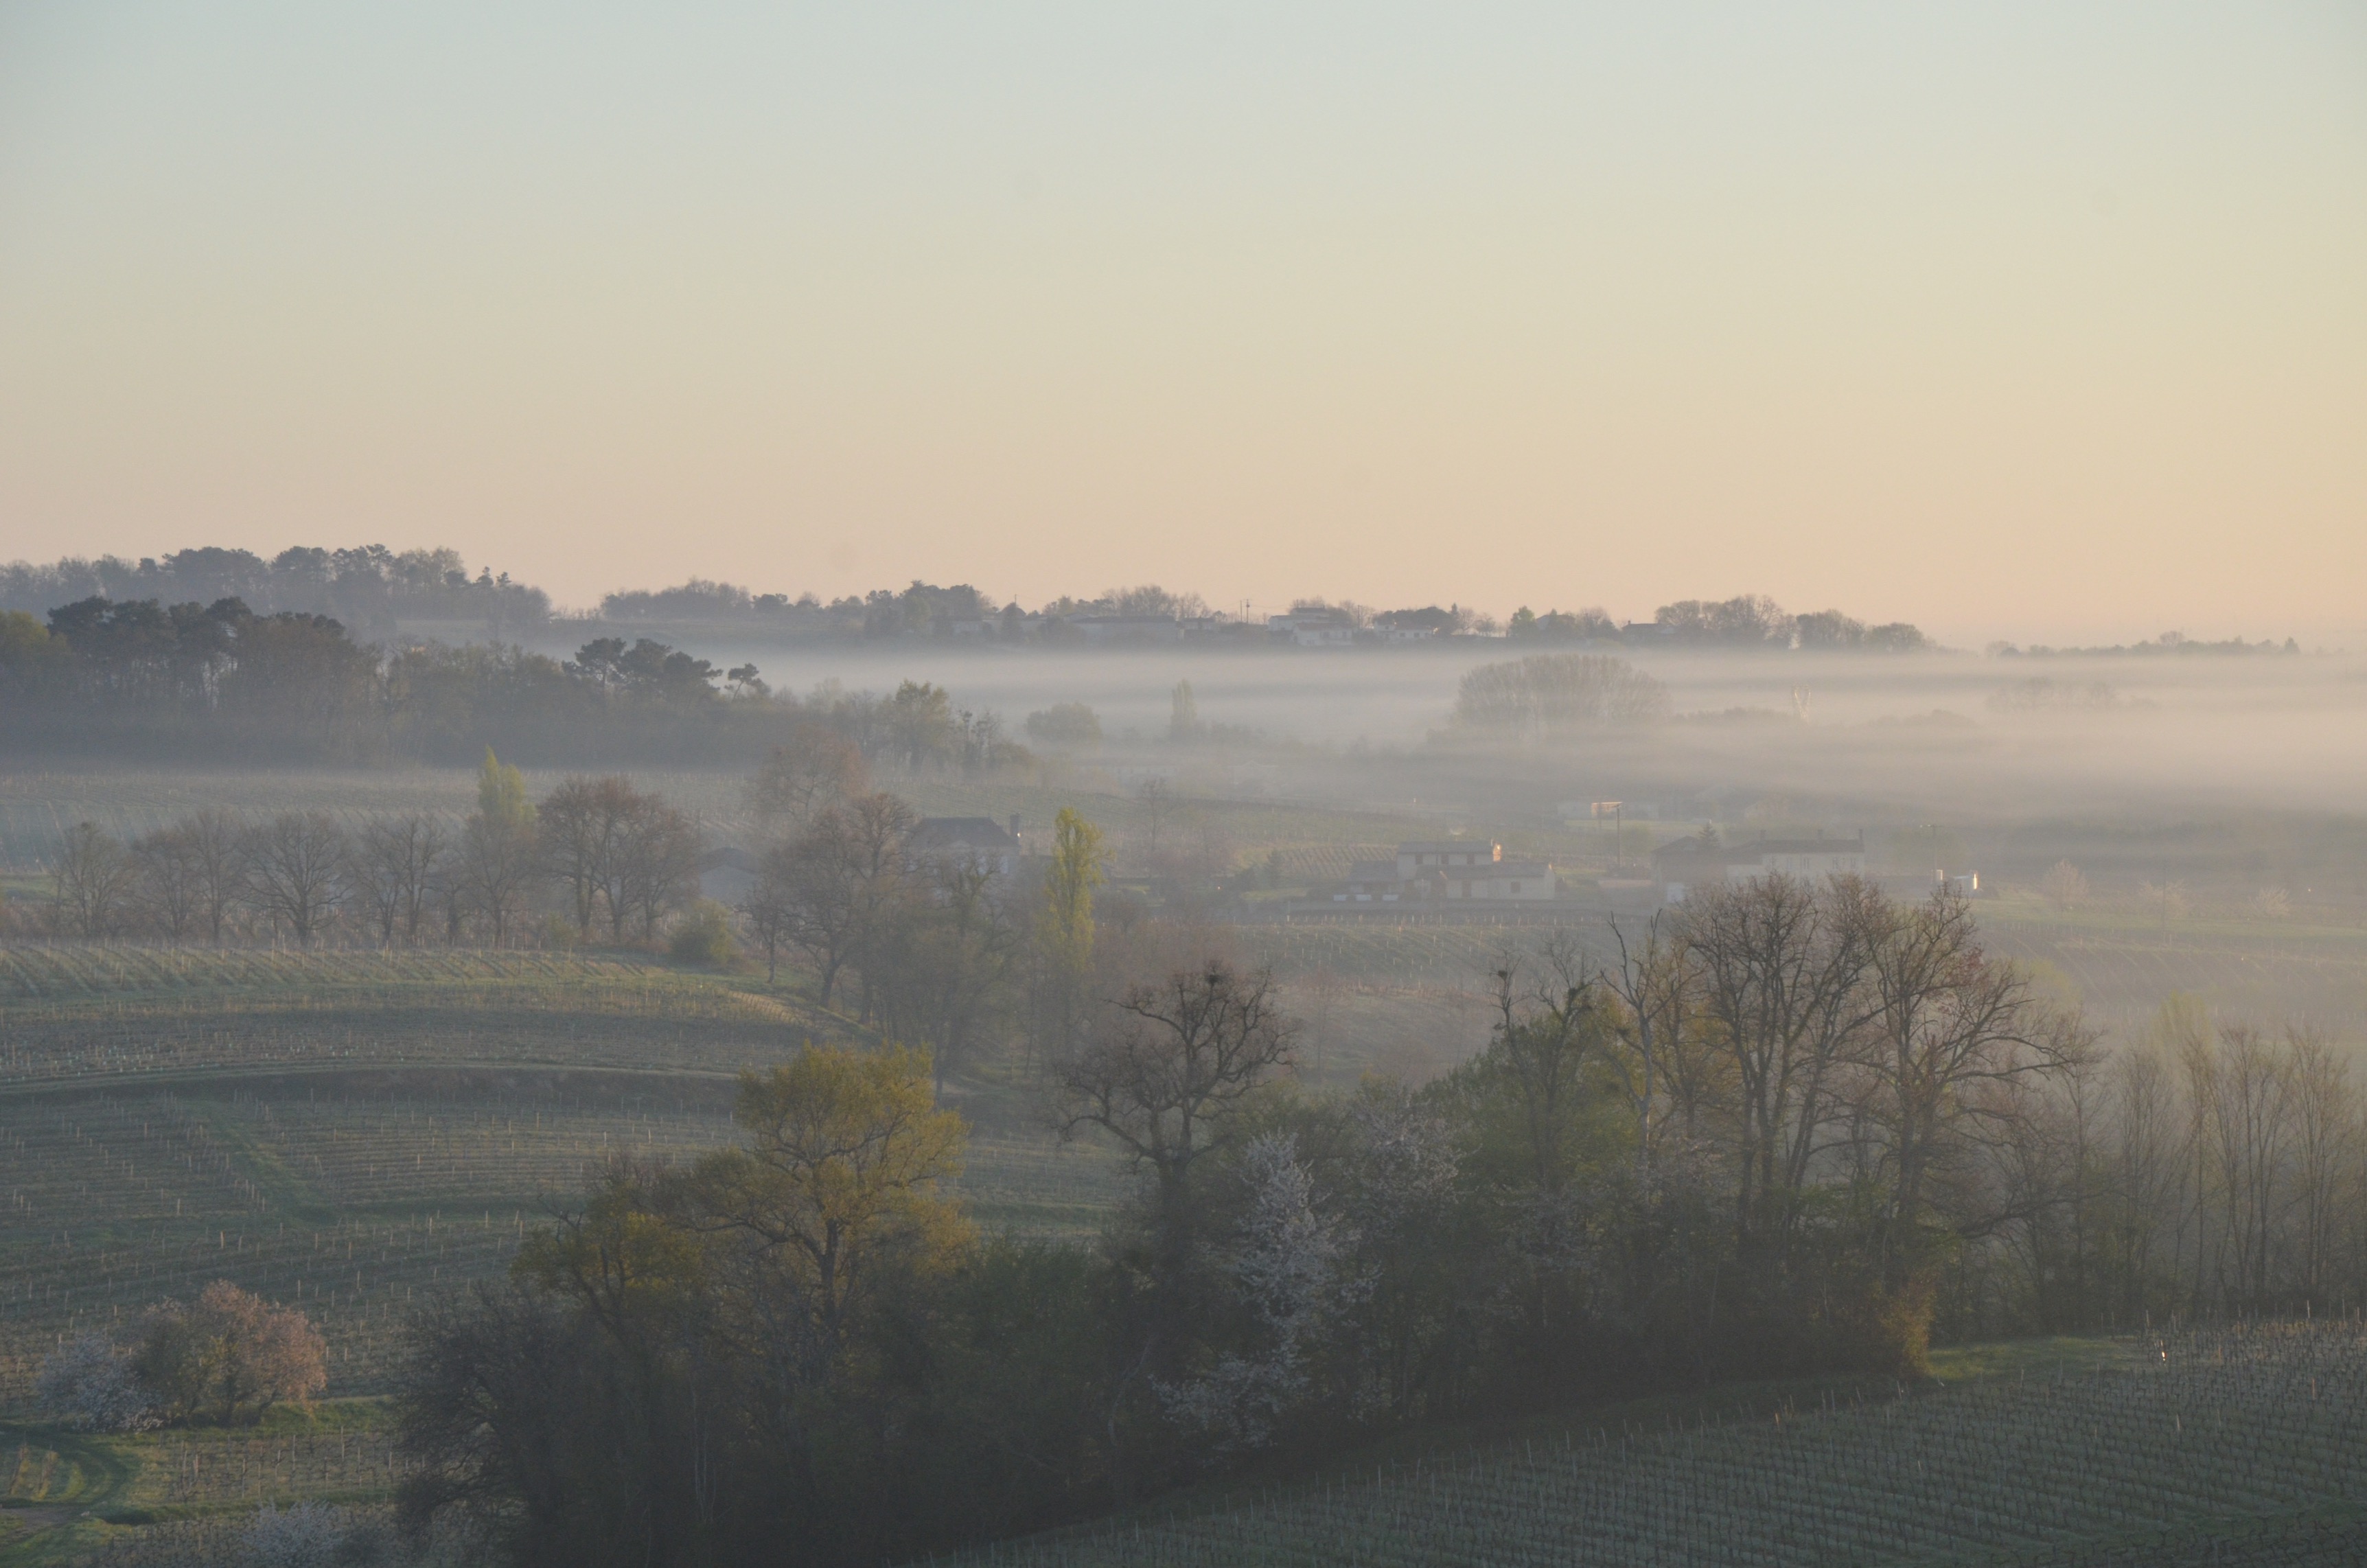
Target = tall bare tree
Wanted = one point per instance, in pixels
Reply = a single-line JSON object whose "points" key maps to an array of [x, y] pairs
{"points": [[1947, 1026], [771, 906], [1780, 964], [295, 871], [582, 827], [395, 864], [1163, 1074], [1654, 982], [170, 888], [655, 864], [2326, 1150], [93, 881], [217, 846]]}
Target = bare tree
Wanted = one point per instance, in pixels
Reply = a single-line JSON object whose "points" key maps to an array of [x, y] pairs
{"points": [[93, 881], [2250, 1125], [395, 863], [2063, 885], [2325, 1156], [823, 916], [217, 846], [817, 768], [170, 887], [1323, 985], [655, 864], [1551, 1027], [295, 871], [771, 906], [1654, 983], [1948, 1025], [583, 827], [2148, 1175], [1157, 797], [1780, 965], [1165, 1071]]}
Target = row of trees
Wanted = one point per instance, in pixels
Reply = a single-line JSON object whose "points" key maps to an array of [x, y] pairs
{"points": [[2208, 1166], [1784, 1128], [1751, 621], [145, 676], [1549, 695], [365, 586], [620, 860]]}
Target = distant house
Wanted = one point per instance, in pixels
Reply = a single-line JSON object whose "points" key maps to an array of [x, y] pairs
{"points": [[981, 843], [1312, 628], [1423, 853], [1452, 869], [1690, 863]]}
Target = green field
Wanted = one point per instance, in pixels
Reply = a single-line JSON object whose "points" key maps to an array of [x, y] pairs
{"points": [[63, 1492], [2245, 1446], [347, 1130]]}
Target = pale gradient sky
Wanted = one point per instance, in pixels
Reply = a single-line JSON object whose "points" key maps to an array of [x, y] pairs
{"points": [[2038, 320]]}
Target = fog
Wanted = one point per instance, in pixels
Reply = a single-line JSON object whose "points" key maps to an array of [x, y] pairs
{"points": [[2159, 735]]}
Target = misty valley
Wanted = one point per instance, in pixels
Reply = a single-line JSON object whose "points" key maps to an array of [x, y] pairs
{"points": [[702, 1082]]}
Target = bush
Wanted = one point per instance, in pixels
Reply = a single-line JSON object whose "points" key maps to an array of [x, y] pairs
{"points": [[703, 936], [1065, 726]]}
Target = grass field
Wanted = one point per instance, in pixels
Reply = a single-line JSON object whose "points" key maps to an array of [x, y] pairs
{"points": [[66, 1492], [2245, 1446], [78, 1015], [347, 1130]]}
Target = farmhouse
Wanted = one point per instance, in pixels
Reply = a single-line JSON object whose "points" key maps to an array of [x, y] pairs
{"points": [[980, 843], [1451, 869]]}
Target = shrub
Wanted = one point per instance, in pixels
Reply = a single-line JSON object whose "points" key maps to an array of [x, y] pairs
{"points": [[702, 936], [1065, 726]]}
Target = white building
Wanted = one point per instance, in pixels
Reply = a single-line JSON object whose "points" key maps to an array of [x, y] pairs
{"points": [[1452, 870], [980, 843], [1312, 628]]}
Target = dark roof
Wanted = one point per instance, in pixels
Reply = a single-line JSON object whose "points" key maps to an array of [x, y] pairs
{"points": [[962, 833]]}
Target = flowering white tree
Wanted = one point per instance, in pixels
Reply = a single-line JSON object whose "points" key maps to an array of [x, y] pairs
{"points": [[88, 1384], [1285, 1264]]}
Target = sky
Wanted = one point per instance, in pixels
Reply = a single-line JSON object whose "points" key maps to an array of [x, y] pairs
{"points": [[2038, 321]]}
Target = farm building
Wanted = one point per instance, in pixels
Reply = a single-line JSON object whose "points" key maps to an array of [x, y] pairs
{"points": [[979, 842], [1451, 869]]}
